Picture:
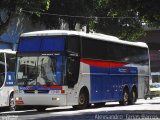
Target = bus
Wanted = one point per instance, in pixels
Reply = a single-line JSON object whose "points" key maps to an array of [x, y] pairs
{"points": [[154, 85], [155, 77], [71, 68], [7, 78]]}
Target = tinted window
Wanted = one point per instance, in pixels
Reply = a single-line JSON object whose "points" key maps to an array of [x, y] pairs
{"points": [[41, 44], [96, 49], [73, 44], [137, 55], [10, 62], [116, 52]]}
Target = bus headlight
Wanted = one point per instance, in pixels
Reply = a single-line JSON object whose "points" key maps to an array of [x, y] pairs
{"points": [[57, 99], [18, 98], [19, 101]]}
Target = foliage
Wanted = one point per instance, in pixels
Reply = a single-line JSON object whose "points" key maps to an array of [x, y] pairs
{"points": [[16, 6], [122, 18], [35, 6], [126, 28], [70, 8]]}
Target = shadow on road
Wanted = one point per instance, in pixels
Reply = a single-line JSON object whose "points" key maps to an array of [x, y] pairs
{"points": [[93, 113], [30, 110]]}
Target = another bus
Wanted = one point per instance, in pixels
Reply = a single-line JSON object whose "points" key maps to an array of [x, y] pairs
{"points": [[154, 85], [7, 78], [70, 68]]}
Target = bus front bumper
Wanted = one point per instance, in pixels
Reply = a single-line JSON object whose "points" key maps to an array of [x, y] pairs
{"points": [[40, 99]]}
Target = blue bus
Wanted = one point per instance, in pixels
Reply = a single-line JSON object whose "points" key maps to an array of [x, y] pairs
{"points": [[71, 68]]}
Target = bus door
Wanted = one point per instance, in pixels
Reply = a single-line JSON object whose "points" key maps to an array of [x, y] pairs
{"points": [[72, 70]]}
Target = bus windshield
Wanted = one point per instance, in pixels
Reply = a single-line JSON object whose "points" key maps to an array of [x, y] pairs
{"points": [[40, 70]]}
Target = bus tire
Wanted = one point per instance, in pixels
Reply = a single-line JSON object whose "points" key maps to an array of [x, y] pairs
{"points": [[83, 100], [41, 108], [12, 106], [145, 97], [133, 97], [125, 98]]}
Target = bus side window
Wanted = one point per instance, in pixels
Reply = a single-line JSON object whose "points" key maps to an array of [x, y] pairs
{"points": [[72, 71]]}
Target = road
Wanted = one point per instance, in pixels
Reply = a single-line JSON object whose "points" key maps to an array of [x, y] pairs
{"points": [[142, 110]]}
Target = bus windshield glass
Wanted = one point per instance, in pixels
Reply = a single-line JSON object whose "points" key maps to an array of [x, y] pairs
{"points": [[40, 70]]}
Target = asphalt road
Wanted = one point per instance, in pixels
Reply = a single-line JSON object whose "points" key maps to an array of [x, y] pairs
{"points": [[142, 110]]}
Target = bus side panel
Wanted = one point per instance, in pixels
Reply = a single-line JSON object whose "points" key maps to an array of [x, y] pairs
{"points": [[143, 81], [120, 77], [99, 83], [109, 78]]}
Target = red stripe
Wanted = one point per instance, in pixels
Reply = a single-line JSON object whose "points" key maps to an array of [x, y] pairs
{"points": [[53, 87], [104, 64]]}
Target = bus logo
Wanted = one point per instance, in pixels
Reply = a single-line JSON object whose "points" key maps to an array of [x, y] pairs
{"points": [[123, 70]]}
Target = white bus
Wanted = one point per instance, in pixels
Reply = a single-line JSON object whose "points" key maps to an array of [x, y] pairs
{"points": [[7, 78], [63, 68]]}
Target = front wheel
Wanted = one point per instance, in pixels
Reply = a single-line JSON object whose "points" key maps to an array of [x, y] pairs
{"points": [[83, 101], [12, 106]]}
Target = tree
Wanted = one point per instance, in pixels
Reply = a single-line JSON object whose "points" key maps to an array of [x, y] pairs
{"points": [[10, 7], [122, 18], [5, 14], [68, 11], [128, 16]]}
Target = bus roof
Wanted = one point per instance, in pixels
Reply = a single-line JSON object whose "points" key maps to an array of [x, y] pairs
{"points": [[97, 36], [7, 51]]}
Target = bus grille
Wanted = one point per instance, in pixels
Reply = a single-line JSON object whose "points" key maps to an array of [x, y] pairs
{"points": [[36, 91]]}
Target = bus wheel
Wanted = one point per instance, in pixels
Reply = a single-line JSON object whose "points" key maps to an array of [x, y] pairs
{"points": [[12, 106], [83, 101], [133, 98], [145, 97], [41, 108], [125, 98]]}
